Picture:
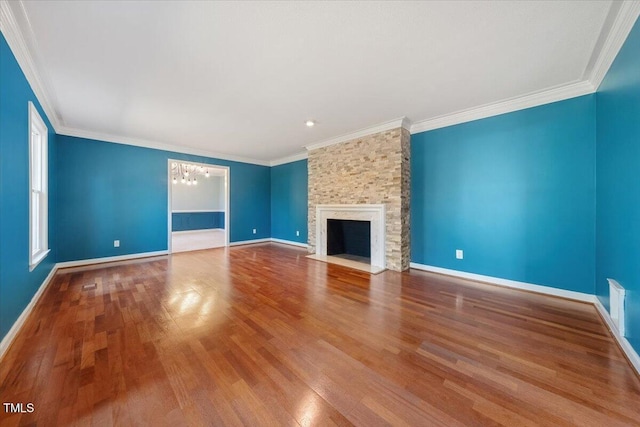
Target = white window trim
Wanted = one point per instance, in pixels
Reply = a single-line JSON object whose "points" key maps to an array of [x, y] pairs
{"points": [[36, 121]]}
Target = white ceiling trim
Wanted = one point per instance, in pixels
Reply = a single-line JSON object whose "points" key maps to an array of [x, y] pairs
{"points": [[507, 106], [11, 25], [16, 29], [289, 159], [156, 145], [402, 122], [15, 26], [616, 36], [626, 18]]}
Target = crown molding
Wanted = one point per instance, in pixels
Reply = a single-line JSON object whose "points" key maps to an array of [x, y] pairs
{"points": [[402, 122], [626, 18], [13, 24], [506, 106], [17, 30], [98, 136], [289, 159]]}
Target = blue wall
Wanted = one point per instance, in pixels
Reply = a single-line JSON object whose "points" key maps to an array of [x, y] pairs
{"points": [[289, 201], [17, 284], [516, 192], [618, 184], [185, 221], [112, 191]]}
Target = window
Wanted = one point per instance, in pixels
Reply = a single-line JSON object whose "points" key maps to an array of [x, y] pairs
{"points": [[38, 187]]}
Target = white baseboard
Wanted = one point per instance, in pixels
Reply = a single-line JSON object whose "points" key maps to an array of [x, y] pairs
{"points": [[197, 211], [17, 325], [83, 262], [547, 290], [289, 242], [625, 345], [196, 231], [249, 242], [267, 240]]}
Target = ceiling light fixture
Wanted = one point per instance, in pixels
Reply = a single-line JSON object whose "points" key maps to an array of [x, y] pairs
{"points": [[187, 173], [310, 123]]}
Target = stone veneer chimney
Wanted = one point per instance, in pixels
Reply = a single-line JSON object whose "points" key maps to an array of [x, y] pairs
{"points": [[372, 169]]}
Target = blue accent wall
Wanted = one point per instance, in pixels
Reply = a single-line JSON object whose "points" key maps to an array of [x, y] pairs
{"points": [[289, 201], [515, 192], [186, 221], [17, 284], [618, 184], [113, 191]]}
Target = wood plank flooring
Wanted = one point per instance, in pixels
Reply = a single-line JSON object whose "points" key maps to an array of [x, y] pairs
{"points": [[261, 335]]}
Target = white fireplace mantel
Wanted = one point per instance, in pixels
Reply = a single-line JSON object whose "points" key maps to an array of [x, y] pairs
{"points": [[373, 213]]}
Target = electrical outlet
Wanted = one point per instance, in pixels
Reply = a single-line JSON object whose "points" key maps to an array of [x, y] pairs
{"points": [[116, 243], [254, 231], [297, 233], [459, 254]]}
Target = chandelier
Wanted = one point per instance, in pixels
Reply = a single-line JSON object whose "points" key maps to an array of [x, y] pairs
{"points": [[187, 173]]}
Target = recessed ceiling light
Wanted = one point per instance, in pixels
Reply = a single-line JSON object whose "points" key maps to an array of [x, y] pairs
{"points": [[310, 123]]}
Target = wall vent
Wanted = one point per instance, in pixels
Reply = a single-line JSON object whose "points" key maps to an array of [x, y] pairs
{"points": [[616, 304]]}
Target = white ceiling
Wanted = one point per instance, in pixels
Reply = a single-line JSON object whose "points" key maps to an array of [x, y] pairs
{"points": [[241, 78]]}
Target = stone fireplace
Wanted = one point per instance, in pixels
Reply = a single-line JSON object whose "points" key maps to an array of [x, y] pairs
{"points": [[347, 178]]}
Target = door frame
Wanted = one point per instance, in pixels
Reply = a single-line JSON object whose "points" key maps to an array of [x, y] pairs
{"points": [[227, 188]]}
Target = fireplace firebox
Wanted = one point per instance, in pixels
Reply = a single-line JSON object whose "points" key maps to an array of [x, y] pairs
{"points": [[349, 237]]}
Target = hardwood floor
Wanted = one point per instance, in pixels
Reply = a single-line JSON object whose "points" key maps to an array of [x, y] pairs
{"points": [[261, 335]]}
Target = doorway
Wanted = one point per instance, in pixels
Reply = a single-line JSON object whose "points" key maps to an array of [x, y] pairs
{"points": [[198, 206]]}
